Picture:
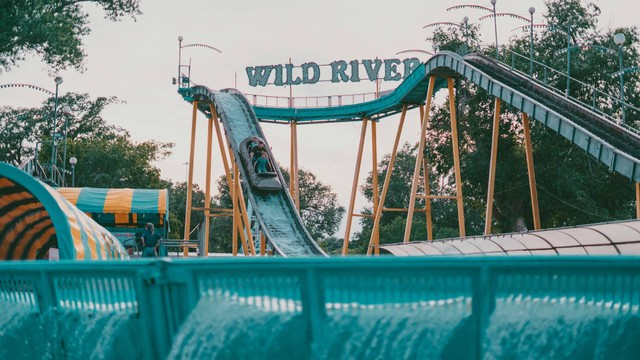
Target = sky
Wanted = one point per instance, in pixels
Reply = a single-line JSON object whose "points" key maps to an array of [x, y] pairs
{"points": [[136, 60]]}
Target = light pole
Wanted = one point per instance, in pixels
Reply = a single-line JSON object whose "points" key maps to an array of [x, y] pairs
{"points": [[568, 59], [180, 38], [58, 81], [66, 110], [495, 26], [73, 161], [531, 11], [188, 77], [619, 39], [465, 21]]}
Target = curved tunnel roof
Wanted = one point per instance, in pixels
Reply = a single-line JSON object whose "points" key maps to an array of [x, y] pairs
{"points": [[125, 207], [36, 218], [616, 238]]}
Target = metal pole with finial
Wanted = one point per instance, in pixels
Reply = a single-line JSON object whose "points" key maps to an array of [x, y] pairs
{"points": [[619, 39], [58, 80], [180, 38], [495, 26], [531, 11]]}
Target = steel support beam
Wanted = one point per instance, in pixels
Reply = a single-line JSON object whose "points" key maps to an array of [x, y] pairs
{"points": [[416, 172], [354, 189], [492, 166], [456, 157], [531, 171], [188, 205], [374, 241]]}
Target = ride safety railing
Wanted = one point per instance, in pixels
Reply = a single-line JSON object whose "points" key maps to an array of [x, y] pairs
{"points": [[322, 308], [312, 101], [43, 172], [590, 96]]}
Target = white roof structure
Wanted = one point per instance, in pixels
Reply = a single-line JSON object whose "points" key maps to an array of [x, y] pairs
{"points": [[615, 238]]}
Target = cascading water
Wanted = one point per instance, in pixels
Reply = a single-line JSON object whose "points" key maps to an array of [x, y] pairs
{"points": [[67, 334]]}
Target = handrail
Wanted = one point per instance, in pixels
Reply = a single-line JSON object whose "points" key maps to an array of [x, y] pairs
{"points": [[34, 168], [590, 88], [310, 101]]}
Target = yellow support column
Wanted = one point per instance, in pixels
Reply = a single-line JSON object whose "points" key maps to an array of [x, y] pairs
{"points": [[638, 200], [354, 189], [492, 166], [236, 210], [263, 245], [427, 188], [374, 177], [188, 205], [234, 201], [247, 222], [532, 171], [416, 172], [244, 215], [293, 171], [207, 187], [456, 157], [374, 241]]}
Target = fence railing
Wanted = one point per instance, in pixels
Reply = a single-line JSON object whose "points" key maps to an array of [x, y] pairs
{"points": [[600, 102], [315, 308], [34, 168], [311, 101]]}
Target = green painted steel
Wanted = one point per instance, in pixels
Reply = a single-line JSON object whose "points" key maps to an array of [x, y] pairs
{"points": [[482, 307], [602, 140]]}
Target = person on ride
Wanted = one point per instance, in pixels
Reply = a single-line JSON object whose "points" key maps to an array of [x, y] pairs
{"points": [[150, 241], [261, 163], [253, 143], [257, 152]]}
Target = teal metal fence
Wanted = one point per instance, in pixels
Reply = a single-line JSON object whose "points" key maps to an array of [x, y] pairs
{"points": [[484, 307]]}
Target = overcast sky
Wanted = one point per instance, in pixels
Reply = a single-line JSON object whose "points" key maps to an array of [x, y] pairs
{"points": [[135, 61]]}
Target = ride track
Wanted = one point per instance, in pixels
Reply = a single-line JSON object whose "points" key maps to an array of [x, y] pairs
{"points": [[614, 145]]}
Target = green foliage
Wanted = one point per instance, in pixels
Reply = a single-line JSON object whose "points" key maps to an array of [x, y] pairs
{"points": [[118, 162], [14, 135], [52, 29], [319, 207], [107, 157], [573, 187], [331, 245]]}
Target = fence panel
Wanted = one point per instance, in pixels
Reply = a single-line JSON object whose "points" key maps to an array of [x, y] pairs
{"points": [[484, 307]]}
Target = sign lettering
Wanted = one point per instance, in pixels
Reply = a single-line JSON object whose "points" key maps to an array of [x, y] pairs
{"points": [[341, 71]]}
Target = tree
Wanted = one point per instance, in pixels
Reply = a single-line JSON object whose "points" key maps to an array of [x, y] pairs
{"points": [[107, 157], [573, 187], [118, 162], [319, 208], [177, 208], [52, 29], [15, 135]]}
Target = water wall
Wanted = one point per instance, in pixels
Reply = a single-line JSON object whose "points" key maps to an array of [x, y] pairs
{"points": [[373, 308]]}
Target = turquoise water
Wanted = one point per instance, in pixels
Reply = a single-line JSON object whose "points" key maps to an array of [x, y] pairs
{"points": [[232, 330], [66, 335], [409, 331], [243, 328], [563, 330], [229, 329]]}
